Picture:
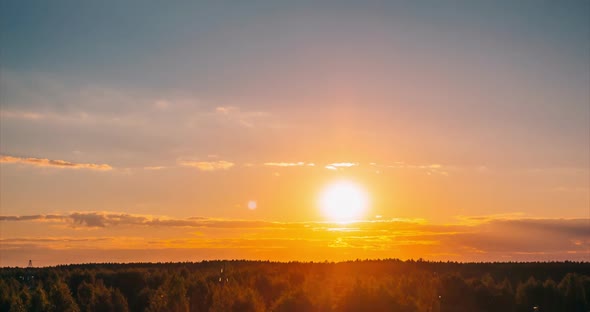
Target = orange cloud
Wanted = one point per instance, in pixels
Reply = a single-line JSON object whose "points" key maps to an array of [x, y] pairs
{"points": [[208, 165], [43, 162]]}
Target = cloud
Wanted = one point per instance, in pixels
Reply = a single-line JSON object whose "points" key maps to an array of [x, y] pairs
{"points": [[336, 166], [474, 220], [22, 115], [429, 169], [80, 118], [20, 218], [90, 219], [332, 166], [565, 227], [247, 119], [207, 165], [97, 219], [287, 164], [52, 239], [154, 168], [344, 164], [43, 162], [225, 110], [107, 219], [161, 105], [135, 127]]}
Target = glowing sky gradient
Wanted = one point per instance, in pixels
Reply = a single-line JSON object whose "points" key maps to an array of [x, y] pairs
{"points": [[151, 131]]}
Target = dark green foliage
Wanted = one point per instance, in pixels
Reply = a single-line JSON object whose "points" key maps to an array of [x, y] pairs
{"points": [[61, 299], [85, 295], [574, 294], [170, 296], [39, 300], [119, 303], [377, 285]]}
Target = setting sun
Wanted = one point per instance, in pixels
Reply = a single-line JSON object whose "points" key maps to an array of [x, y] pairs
{"points": [[343, 201]]}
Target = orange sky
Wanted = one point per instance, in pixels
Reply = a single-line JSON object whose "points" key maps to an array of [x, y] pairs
{"points": [[142, 133]]}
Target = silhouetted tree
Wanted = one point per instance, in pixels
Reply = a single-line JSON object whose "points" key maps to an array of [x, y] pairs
{"points": [[4, 296], [199, 296], [61, 299], [85, 295], [119, 301], [294, 302], [248, 301], [573, 293], [456, 295], [39, 300]]}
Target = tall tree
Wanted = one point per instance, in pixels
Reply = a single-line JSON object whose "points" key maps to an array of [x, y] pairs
{"points": [[61, 298]]}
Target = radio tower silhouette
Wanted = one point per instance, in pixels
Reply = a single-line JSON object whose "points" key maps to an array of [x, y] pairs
{"points": [[29, 276]]}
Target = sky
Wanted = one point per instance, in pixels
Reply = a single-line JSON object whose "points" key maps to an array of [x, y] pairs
{"points": [[152, 131]]}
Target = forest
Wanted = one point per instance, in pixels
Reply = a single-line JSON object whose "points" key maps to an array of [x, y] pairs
{"points": [[240, 285]]}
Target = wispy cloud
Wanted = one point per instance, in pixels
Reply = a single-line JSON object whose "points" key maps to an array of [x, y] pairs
{"points": [[336, 166], [207, 165], [287, 164], [154, 167], [344, 164], [97, 219], [247, 119], [43, 162], [22, 115], [33, 218], [80, 118], [162, 104], [109, 219], [427, 168]]}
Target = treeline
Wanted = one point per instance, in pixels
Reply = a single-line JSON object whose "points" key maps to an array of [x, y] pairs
{"points": [[370, 285]]}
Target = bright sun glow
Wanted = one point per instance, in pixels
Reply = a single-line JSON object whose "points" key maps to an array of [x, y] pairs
{"points": [[343, 201]]}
